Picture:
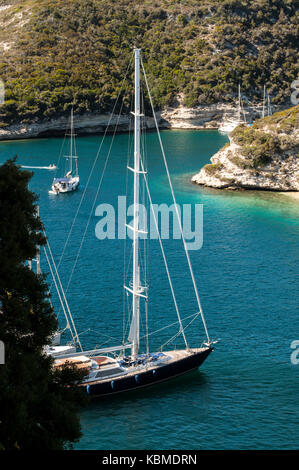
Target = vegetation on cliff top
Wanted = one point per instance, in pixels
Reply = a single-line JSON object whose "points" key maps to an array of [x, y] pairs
{"points": [[274, 135], [268, 138], [58, 53]]}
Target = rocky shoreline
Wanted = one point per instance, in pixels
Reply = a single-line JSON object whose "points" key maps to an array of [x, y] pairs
{"points": [[202, 117], [263, 157], [277, 176], [230, 168], [84, 124]]}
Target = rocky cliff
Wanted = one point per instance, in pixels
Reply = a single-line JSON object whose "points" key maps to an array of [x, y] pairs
{"points": [[205, 116], [263, 156], [84, 124], [180, 117]]}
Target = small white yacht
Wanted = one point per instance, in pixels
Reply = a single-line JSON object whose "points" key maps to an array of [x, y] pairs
{"points": [[70, 181]]}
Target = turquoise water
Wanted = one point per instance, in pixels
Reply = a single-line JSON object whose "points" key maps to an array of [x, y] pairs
{"points": [[245, 396]]}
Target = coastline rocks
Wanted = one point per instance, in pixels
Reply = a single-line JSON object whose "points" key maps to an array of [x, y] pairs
{"points": [[225, 174], [201, 117], [84, 124], [205, 116], [264, 157]]}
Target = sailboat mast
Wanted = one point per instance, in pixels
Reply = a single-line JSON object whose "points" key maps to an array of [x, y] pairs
{"points": [[38, 270], [269, 104], [71, 143], [263, 113], [136, 280], [239, 107]]}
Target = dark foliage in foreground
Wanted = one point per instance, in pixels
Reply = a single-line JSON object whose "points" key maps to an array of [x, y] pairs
{"points": [[38, 404]]}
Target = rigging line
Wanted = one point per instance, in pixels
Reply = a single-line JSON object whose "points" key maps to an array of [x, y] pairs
{"points": [[128, 305], [176, 209], [146, 320], [74, 137], [60, 155], [125, 240], [145, 205], [129, 263], [146, 245], [99, 333], [100, 345], [58, 292], [177, 334], [173, 338], [128, 320], [126, 295], [164, 257], [142, 191], [243, 111], [172, 324], [64, 297], [93, 166], [125, 249], [94, 202]]}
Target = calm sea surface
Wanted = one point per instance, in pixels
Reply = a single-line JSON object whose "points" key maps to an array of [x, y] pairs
{"points": [[245, 395]]}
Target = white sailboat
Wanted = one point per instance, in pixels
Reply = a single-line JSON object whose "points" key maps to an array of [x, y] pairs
{"points": [[110, 370], [228, 125], [70, 181]]}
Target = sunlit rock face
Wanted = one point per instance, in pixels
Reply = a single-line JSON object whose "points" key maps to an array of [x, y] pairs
{"points": [[264, 156]]}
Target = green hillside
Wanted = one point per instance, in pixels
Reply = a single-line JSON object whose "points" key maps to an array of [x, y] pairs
{"points": [[56, 52]]}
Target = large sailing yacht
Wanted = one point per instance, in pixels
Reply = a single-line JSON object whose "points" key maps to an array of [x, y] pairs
{"points": [[70, 181], [110, 370]]}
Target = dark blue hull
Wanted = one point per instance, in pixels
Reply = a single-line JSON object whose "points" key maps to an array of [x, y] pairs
{"points": [[148, 377]]}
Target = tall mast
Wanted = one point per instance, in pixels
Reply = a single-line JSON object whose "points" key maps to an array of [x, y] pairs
{"points": [[263, 113], [269, 104], [136, 280], [239, 107], [71, 144], [38, 270]]}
